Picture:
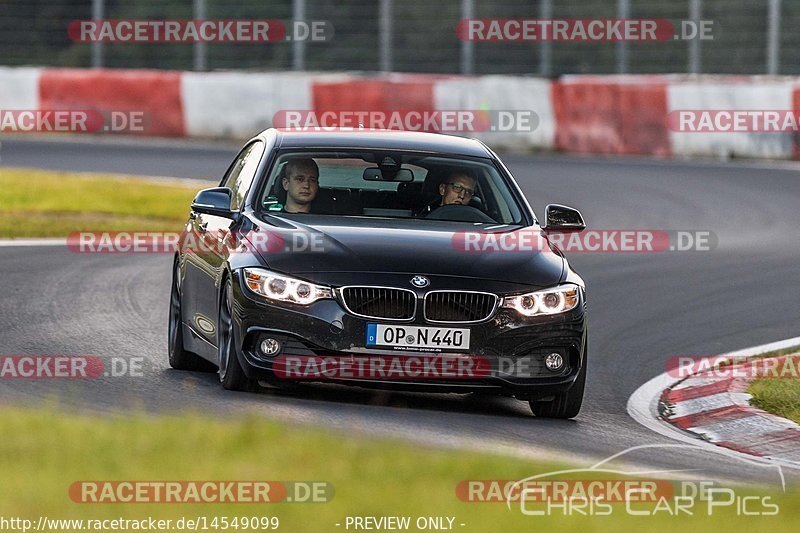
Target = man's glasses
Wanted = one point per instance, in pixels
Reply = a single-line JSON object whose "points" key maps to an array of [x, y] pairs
{"points": [[458, 189]]}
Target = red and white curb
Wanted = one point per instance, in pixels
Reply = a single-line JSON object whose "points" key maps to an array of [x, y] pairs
{"points": [[716, 412], [719, 411]]}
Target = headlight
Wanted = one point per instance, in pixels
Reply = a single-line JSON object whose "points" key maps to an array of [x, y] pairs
{"points": [[544, 302], [281, 288]]}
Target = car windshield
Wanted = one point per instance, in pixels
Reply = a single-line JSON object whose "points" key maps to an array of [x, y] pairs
{"points": [[390, 185]]}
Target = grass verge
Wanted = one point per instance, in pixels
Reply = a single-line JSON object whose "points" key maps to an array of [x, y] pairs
{"points": [[43, 452], [41, 203], [779, 396]]}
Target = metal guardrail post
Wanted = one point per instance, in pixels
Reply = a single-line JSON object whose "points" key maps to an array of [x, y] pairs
{"points": [[199, 13], [695, 59], [545, 47], [298, 46], [98, 9], [467, 47], [773, 36], [385, 35], [622, 48]]}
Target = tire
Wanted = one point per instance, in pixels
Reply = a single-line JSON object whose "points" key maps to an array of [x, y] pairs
{"points": [[179, 357], [231, 374], [567, 404]]}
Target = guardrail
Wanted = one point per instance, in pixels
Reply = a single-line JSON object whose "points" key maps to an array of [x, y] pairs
{"points": [[670, 115]]}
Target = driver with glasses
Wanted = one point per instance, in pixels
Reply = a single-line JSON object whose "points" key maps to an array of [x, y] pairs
{"points": [[458, 188]]}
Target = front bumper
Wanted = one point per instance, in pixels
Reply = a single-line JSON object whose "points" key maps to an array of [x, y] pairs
{"points": [[514, 348]]}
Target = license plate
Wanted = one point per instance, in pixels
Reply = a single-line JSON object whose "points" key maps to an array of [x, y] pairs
{"points": [[417, 337]]}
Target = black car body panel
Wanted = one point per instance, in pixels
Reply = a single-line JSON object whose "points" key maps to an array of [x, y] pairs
{"points": [[384, 140], [399, 246], [326, 329]]}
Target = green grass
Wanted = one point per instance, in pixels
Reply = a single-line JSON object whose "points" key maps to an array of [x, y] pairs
{"points": [[42, 452], [38, 203], [778, 396]]}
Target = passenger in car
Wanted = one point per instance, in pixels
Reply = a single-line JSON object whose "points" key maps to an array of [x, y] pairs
{"points": [[301, 183]]}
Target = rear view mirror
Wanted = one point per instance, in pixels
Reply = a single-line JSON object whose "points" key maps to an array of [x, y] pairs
{"points": [[387, 174], [562, 218]]}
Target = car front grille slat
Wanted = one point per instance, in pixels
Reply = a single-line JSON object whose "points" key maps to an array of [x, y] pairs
{"points": [[380, 302], [459, 306], [400, 304]]}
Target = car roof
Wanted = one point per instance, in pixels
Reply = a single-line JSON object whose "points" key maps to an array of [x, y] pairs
{"points": [[381, 140]]}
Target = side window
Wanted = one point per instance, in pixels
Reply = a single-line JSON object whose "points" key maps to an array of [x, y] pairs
{"points": [[241, 174]]}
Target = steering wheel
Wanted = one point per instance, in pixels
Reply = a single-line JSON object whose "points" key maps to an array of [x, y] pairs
{"points": [[460, 213]]}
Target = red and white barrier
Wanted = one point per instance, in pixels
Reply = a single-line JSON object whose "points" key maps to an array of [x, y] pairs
{"points": [[503, 93], [239, 105], [154, 93], [19, 88], [611, 115], [585, 114], [732, 94], [385, 94]]}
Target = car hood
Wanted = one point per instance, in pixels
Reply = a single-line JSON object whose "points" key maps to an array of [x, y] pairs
{"points": [[318, 247]]}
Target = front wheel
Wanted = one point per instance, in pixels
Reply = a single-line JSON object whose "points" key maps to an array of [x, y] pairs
{"points": [[231, 374], [567, 404]]}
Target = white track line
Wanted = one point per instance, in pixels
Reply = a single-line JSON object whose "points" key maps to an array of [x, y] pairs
{"points": [[8, 243]]}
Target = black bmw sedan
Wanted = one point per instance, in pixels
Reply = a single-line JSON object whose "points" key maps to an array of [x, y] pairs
{"points": [[379, 259]]}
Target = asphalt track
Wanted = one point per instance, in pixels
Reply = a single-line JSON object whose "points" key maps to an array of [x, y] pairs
{"points": [[643, 308]]}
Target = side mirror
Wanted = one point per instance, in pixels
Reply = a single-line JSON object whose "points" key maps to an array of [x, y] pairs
{"points": [[215, 201], [563, 218]]}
